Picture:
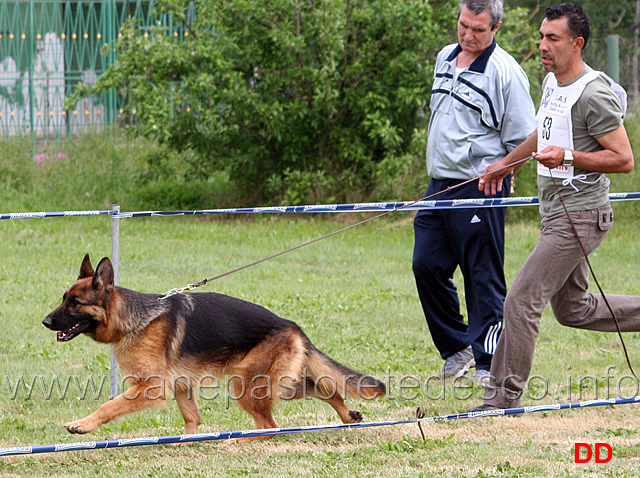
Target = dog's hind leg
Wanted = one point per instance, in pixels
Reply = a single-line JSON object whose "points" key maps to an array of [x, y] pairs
{"points": [[335, 400], [261, 412], [189, 409], [257, 402]]}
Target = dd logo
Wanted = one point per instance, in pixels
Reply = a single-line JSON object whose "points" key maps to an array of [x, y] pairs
{"points": [[590, 453]]}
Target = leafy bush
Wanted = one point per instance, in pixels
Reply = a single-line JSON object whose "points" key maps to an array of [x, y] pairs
{"points": [[276, 91], [96, 171], [268, 102]]}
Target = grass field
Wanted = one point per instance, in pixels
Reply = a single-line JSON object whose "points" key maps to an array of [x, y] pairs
{"points": [[354, 296]]}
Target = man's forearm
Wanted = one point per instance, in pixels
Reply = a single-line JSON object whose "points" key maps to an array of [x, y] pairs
{"points": [[523, 150]]}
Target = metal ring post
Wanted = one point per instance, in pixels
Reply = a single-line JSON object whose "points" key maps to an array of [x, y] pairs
{"points": [[115, 256]]}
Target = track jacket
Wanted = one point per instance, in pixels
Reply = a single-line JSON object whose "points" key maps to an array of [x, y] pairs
{"points": [[481, 117]]}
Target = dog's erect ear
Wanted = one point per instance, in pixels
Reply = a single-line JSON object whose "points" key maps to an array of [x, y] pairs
{"points": [[86, 269], [103, 277]]}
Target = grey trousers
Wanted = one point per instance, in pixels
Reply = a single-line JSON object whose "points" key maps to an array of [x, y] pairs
{"points": [[556, 272]]}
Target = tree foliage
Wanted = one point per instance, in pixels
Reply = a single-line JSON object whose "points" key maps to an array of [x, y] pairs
{"points": [[278, 90], [298, 100]]}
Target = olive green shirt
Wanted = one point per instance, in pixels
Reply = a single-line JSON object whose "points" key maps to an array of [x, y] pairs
{"points": [[597, 112]]}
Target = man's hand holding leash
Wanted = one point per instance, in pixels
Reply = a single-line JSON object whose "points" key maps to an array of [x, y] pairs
{"points": [[490, 181]]}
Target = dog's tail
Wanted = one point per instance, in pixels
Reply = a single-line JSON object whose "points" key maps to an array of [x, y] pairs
{"points": [[330, 377]]}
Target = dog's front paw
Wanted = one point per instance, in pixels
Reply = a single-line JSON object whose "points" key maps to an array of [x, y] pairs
{"points": [[80, 427], [355, 416]]}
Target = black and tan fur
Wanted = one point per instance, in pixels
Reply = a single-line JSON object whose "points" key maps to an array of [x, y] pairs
{"points": [[166, 346]]}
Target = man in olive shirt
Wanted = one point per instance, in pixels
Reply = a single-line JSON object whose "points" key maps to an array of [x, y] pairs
{"points": [[580, 136]]}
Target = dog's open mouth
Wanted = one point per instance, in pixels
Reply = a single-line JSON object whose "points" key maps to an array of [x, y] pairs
{"points": [[66, 335]]}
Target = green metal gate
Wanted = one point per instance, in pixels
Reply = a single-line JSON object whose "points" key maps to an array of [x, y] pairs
{"points": [[47, 47]]}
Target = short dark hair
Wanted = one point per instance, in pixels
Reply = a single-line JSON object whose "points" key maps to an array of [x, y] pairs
{"points": [[495, 7], [577, 20]]}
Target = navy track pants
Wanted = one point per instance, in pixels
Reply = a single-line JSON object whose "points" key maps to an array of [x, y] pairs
{"points": [[472, 239]]}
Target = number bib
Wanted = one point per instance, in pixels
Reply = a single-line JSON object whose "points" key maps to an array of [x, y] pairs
{"points": [[554, 119]]}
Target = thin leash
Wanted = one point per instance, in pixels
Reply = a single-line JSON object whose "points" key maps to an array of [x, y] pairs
{"points": [[189, 287], [593, 274]]}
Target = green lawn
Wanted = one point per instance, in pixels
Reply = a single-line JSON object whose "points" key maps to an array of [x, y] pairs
{"points": [[354, 296]]}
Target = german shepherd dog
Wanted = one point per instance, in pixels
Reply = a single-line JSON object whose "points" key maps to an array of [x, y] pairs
{"points": [[172, 345]]}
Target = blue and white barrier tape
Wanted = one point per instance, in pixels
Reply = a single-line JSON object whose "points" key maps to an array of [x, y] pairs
{"points": [[320, 208], [165, 440], [372, 207], [357, 207], [39, 215]]}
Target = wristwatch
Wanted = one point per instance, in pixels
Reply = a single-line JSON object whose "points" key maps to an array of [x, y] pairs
{"points": [[568, 158]]}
